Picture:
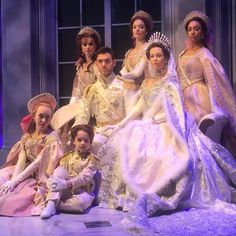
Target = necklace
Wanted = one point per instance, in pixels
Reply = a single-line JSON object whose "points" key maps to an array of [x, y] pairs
{"points": [[157, 74]]}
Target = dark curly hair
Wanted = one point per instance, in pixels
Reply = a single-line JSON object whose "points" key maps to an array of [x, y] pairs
{"points": [[80, 54], [86, 128], [203, 27], [159, 45]]}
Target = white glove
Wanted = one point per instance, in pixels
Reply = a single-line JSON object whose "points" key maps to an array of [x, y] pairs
{"points": [[108, 130], [56, 184], [73, 100], [9, 186]]}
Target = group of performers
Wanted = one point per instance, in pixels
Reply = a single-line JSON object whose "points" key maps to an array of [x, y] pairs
{"points": [[152, 132]]}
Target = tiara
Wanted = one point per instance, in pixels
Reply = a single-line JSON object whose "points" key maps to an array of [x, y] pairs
{"points": [[160, 38], [196, 13], [145, 15], [89, 31]]}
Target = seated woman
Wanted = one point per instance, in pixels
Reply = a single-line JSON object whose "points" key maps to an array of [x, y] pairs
{"points": [[163, 161], [31, 160], [71, 186], [88, 42], [208, 94]]}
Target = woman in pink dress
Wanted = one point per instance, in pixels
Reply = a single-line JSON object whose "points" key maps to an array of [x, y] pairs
{"points": [[30, 161], [208, 94], [88, 42]]}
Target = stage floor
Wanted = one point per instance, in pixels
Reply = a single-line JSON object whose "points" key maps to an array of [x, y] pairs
{"points": [[104, 222]]}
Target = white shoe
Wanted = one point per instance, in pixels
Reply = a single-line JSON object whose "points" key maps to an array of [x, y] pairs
{"points": [[49, 210]]}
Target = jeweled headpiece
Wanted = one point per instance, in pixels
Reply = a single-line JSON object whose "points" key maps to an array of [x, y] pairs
{"points": [[160, 38], [145, 15], [89, 31], [202, 15]]}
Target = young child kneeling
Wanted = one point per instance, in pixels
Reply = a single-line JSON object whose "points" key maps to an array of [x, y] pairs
{"points": [[71, 186]]}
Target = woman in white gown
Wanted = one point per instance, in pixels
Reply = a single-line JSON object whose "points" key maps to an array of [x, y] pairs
{"points": [[163, 161]]}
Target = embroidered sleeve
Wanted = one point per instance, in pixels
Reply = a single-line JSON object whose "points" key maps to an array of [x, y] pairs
{"points": [[86, 175], [219, 85], [174, 106], [85, 113]]}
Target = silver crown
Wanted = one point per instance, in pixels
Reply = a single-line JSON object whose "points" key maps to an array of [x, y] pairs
{"points": [[160, 38]]}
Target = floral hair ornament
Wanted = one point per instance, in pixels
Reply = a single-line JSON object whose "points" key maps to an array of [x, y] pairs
{"points": [[160, 38], [145, 15], [87, 31], [202, 15], [42, 99]]}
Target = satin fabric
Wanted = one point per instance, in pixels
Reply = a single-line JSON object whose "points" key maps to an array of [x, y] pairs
{"points": [[28, 198]]}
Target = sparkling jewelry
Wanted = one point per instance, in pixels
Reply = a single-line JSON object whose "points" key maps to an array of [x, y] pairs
{"points": [[160, 38], [156, 74]]}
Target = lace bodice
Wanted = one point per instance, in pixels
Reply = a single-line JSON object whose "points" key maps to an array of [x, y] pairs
{"points": [[133, 58], [85, 75], [154, 93], [190, 69]]}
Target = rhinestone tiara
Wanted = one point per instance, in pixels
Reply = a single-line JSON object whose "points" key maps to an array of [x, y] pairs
{"points": [[160, 38]]}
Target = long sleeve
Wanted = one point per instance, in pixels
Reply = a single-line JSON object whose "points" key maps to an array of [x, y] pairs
{"points": [[174, 107], [219, 86], [55, 154], [135, 112], [84, 113], [136, 72], [75, 87], [85, 176], [85, 75]]}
